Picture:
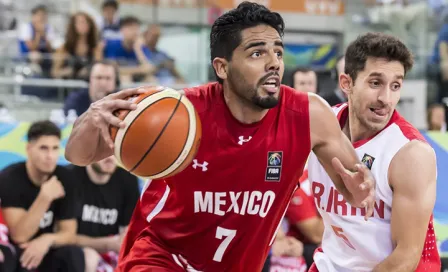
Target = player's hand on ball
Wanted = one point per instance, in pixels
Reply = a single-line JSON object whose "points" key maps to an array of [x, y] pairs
{"points": [[360, 184], [102, 111]]}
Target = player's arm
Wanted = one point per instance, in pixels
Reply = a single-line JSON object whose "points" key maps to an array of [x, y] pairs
{"points": [[65, 233], [24, 224], [100, 244], [412, 177], [312, 228], [302, 214], [328, 142], [91, 129]]}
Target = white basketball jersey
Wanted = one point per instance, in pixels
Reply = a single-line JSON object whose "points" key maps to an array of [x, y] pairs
{"points": [[350, 243]]}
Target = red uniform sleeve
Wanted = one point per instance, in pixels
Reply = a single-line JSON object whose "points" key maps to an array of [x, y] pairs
{"points": [[300, 208]]}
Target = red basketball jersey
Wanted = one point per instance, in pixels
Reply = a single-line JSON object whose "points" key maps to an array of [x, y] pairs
{"points": [[222, 212]]}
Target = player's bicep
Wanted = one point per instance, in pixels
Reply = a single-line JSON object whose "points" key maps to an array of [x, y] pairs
{"points": [[412, 176], [327, 139]]}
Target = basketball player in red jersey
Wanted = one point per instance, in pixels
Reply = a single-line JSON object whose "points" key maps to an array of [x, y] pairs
{"points": [[400, 235], [222, 212]]}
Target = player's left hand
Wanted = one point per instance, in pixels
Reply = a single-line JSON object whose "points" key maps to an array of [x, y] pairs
{"points": [[35, 251], [360, 184]]}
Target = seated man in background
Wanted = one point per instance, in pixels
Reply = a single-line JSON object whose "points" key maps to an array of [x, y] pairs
{"points": [[304, 223], [336, 96], [436, 118], [103, 80], [130, 52], [166, 72], [38, 205], [106, 199], [305, 80]]}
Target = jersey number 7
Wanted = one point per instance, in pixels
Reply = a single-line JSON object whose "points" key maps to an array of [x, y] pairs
{"points": [[339, 232], [220, 234]]}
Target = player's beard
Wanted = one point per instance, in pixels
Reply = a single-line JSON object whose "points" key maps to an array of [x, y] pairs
{"points": [[248, 93]]}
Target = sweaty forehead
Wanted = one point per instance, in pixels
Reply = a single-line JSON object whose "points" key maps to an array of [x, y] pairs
{"points": [[260, 33]]}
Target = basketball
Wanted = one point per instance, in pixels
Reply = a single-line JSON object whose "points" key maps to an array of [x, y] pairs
{"points": [[161, 136]]}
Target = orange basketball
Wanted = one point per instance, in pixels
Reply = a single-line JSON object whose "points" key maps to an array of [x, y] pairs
{"points": [[161, 136]]}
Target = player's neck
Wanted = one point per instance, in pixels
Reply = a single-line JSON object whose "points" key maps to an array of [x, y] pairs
{"points": [[96, 177], [242, 110], [354, 130], [36, 176]]}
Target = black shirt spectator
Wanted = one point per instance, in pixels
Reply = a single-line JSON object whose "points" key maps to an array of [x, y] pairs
{"points": [[106, 199], [104, 208], [38, 206], [17, 191]]}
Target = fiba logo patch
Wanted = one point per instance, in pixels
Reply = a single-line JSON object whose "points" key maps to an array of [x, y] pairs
{"points": [[368, 160], [274, 167]]}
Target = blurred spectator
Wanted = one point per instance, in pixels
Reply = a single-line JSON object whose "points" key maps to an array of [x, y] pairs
{"points": [[106, 199], [287, 254], [7, 17], [109, 24], [436, 118], [130, 53], [337, 96], [166, 72], [440, 61], [36, 40], [81, 48], [7, 253], [305, 79], [103, 80], [304, 223], [406, 19], [38, 205]]}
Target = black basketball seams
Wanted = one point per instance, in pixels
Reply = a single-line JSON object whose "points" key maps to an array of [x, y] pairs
{"points": [[160, 133], [185, 143]]}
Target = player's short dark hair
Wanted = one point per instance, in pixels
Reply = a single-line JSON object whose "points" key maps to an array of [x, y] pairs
{"points": [[38, 8], [225, 35], [376, 45], [43, 128], [110, 4], [129, 20]]}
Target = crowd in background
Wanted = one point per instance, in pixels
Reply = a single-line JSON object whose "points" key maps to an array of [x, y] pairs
{"points": [[117, 39]]}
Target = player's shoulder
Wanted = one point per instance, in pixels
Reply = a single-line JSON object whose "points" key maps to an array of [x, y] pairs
{"points": [[294, 100], [406, 129], [204, 96], [12, 171]]}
